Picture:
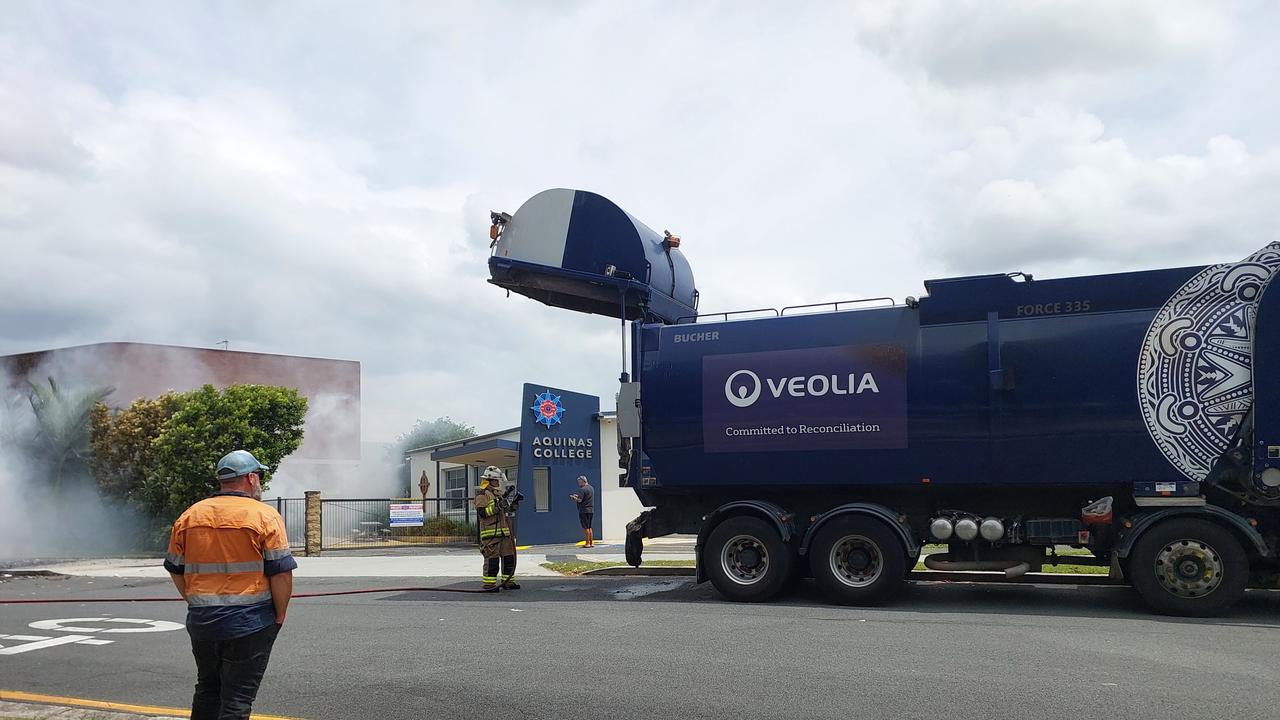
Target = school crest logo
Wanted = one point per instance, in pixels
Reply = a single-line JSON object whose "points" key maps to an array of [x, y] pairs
{"points": [[547, 409]]}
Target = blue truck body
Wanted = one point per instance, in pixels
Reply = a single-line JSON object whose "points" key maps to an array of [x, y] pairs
{"points": [[1092, 411], [991, 397]]}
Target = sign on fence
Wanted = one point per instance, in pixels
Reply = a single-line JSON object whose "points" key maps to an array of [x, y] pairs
{"points": [[406, 514]]}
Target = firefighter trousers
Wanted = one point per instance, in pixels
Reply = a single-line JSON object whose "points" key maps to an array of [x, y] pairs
{"points": [[498, 549]]}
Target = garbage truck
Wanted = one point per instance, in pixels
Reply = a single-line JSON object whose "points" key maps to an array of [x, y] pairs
{"points": [[1133, 415]]}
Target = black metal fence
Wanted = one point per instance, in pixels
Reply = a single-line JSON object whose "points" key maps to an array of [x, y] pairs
{"points": [[366, 522], [294, 512], [356, 523]]}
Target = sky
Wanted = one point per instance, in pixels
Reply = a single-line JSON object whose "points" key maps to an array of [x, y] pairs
{"points": [[315, 178]]}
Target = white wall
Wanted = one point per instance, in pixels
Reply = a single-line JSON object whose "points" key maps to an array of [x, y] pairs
{"points": [[618, 505], [418, 462]]}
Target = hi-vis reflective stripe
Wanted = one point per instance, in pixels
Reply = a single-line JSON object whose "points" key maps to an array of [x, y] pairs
{"points": [[488, 579], [223, 568], [491, 508], [276, 554], [173, 559], [494, 532], [509, 577], [214, 600]]}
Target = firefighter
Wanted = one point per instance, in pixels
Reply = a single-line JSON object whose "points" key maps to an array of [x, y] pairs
{"points": [[496, 540]]}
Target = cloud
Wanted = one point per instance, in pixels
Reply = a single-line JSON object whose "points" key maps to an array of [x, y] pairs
{"points": [[1053, 189], [315, 179], [971, 42]]}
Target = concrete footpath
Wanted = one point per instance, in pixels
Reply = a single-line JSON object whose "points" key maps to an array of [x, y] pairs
{"points": [[422, 562], [93, 711]]}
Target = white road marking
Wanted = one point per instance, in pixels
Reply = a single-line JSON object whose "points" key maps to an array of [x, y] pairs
{"points": [[42, 644], [147, 625]]}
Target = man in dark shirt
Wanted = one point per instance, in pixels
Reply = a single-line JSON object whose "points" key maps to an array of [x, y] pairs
{"points": [[586, 499], [229, 558]]}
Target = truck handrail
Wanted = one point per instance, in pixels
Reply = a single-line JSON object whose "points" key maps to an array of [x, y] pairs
{"points": [[725, 315], [835, 304]]}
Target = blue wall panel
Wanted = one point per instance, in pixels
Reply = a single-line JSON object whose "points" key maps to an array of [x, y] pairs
{"points": [[560, 431]]}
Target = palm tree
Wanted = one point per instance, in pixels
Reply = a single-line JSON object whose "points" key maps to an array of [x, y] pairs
{"points": [[62, 424]]}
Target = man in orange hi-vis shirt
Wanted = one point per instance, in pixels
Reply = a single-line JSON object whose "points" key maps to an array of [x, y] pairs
{"points": [[229, 558]]}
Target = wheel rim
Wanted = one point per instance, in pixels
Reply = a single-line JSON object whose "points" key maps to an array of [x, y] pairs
{"points": [[856, 561], [745, 559], [1189, 568]]}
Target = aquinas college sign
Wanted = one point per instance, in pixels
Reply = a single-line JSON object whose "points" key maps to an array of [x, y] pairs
{"points": [[559, 441], [570, 448]]}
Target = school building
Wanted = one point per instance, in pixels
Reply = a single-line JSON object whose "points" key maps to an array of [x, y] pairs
{"points": [[561, 435]]}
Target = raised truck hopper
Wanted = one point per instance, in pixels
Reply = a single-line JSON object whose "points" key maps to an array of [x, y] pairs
{"points": [[578, 250]]}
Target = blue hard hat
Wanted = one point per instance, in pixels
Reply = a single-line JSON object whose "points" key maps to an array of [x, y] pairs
{"points": [[237, 463]]}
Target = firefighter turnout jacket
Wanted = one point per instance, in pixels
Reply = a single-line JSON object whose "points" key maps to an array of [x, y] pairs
{"points": [[491, 508]]}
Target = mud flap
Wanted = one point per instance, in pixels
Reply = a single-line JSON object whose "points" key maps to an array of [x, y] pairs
{"points": [[634, 546], [634, 549]]}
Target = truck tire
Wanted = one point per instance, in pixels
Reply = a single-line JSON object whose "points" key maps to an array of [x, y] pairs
{"points": [[858, 561], [746, 560], [1188, 567]]}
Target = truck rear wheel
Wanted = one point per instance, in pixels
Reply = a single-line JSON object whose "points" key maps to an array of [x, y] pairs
{"points": [[858, 561], [746, 559], [1188, 567]]}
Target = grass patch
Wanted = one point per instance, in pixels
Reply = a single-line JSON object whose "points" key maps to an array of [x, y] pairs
{"points": [[1062, 552], [1064, 569], [578, 567], [1076, 569]]}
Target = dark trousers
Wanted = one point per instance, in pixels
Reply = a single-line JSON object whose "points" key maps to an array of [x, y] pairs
{"points": [[228, 673], [508, 567]]}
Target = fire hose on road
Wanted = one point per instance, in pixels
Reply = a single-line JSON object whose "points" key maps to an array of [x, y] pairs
{"points": [[363, 591]]}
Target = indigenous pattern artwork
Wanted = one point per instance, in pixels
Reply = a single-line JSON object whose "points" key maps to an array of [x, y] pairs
{"points": [[1195, 378]]}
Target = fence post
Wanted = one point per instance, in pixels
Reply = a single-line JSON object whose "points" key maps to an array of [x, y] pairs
{"points": [[311, 547]]}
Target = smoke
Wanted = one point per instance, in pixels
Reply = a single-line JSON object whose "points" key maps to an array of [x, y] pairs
{"points": [[326, 461], [77, 520], [44, 520], [374, 475]]}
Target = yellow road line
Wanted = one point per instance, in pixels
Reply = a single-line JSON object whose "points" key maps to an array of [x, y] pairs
{"points": [[19, 696]]}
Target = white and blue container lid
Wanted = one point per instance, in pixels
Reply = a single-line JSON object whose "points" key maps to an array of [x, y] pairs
{"points": [[578, 250]]}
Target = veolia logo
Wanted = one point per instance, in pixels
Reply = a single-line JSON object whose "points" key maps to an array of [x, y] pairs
{"points": [[741, 396], [744, 393]]}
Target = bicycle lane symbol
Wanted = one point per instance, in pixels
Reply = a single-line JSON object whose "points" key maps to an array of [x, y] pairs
{"points": [[78, 636]]}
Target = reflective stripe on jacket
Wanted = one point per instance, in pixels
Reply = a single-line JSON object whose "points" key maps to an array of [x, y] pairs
{"points": [[494, 522], [227, 546]]}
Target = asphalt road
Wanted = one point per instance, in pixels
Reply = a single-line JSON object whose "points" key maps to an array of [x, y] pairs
{"points": [[664, 648]]}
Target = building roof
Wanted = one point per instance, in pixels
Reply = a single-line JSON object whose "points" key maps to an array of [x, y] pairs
{"points": [[476, 438], [125, 343], [462, 441], [138, 370]]}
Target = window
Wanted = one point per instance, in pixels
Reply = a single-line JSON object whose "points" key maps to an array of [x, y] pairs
{"points": [[455, 488], [542, 489]]}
